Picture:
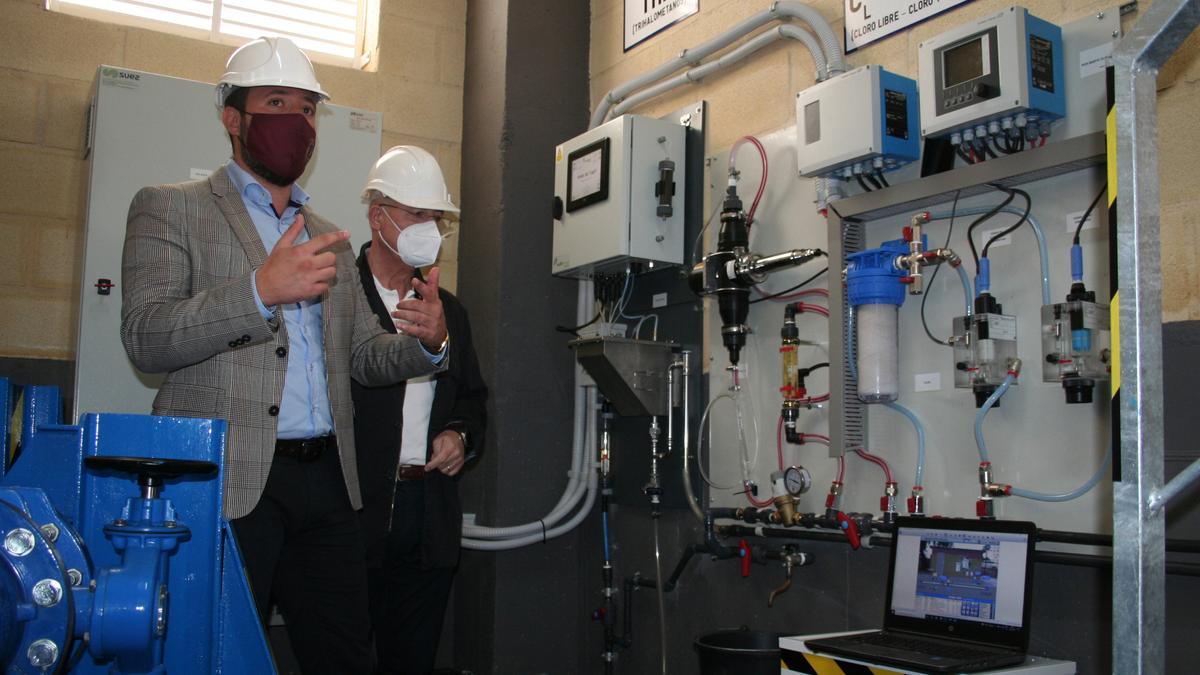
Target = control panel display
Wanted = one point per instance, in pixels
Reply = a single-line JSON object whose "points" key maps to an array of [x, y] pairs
{"points": [[587, 175], [964, 62]]}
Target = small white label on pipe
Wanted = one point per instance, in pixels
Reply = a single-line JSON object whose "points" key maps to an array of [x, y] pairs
{"points": [[1098, 214], [659, 300], [1002, 241], [927, 382]]}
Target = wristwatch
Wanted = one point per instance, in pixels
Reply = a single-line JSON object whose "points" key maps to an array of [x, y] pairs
{"points": [[463, 435]]}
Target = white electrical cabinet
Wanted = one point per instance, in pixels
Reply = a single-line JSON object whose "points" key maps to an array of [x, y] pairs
{"points": [[147, 129], [618, 197]]}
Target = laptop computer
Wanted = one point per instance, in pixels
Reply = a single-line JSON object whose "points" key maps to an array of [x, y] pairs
{"points": [[958, 598]]}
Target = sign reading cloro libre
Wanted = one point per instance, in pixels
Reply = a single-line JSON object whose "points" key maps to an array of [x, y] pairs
{"points": [[644, 18], [870, 20]]}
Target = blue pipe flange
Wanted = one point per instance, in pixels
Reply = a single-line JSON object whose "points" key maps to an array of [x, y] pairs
{"points": [[37, 609]]}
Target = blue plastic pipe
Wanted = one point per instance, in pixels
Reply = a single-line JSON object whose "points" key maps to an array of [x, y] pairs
{"points": [[983, 411], [1033, 223], [1068, 496], [966, 284], [916, 422]]}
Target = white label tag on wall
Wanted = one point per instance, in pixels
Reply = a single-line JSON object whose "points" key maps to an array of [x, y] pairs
{"points": [[1093, 221], [1093, 61], [363, 121], [927, 382], [197, 174], [1002, 241], [658, 300]]}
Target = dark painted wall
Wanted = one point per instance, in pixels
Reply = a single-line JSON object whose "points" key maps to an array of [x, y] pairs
{"points": [[526, 90]]}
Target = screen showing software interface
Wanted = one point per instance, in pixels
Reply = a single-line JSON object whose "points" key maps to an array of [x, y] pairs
{"points": [[960, 576]]}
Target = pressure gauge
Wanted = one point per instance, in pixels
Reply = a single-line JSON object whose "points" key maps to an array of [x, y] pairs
{"points": [[797, 480]]}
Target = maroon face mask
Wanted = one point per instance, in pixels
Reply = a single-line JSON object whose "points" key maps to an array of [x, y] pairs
{"points": [[277, 147]]}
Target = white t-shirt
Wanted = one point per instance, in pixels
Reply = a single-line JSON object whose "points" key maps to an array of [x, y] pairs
{"points": [[418, 396]]}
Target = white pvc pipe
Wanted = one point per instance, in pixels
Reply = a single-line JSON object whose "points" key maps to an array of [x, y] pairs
{"points": [[779, 10]]}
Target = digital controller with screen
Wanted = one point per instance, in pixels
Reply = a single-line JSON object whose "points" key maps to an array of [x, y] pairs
{"points": [[963, 63]]}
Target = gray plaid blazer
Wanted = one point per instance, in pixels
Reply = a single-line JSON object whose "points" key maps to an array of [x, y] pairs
{"points": [[188, 311]]}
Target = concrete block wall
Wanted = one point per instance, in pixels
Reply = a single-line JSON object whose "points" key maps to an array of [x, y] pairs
{"points": [[757, 97], [47, 63]]}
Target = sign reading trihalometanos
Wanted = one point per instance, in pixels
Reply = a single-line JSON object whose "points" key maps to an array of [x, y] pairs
{"points": [[870, 20], [644, 18]]}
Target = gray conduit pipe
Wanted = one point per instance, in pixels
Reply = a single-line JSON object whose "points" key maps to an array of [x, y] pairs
{"points": [[542, 535], [780, 10], [700, 72]]}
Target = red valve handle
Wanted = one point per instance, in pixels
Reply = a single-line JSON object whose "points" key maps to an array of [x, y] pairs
{"points": [[744, 553], [850, 529]]}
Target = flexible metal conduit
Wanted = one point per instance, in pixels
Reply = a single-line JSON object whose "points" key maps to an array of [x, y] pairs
{"points": [[778, 11], [700, 72]]}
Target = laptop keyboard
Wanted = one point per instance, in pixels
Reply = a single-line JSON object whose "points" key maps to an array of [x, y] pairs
{"points": [[912, 644]]}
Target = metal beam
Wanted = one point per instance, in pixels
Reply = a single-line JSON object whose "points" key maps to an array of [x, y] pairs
{"points": [[1138, 554]]}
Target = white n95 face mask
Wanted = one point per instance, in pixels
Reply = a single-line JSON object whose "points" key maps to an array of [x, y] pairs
{"points": [[418, 244]]}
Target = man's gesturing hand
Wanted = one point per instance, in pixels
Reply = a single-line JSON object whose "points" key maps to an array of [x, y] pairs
{"points": [[423, 319], [295, 272]]}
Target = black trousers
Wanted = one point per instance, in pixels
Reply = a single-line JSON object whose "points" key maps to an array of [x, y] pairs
{"points": [[303, 549], [408, 603]]}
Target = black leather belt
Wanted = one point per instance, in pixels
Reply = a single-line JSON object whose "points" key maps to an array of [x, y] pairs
{"points": [[410, 472], [305, 449]]}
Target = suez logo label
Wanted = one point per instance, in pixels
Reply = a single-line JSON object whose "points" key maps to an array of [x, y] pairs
{"points": [[119, 78], [870, 20], [120, 74]]}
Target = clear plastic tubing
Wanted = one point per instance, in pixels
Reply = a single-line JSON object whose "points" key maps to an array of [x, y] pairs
{"points": [[877, 360]]}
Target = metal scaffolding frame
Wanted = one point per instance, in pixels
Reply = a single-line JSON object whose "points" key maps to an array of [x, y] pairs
{"points": [[1139, 529]]}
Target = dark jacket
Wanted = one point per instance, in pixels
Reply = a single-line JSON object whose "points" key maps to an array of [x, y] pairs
{"points": [[458, 403]]}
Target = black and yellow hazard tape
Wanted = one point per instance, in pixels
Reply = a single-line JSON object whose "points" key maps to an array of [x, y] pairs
{"points": [[1114, 303], [819, 664]]}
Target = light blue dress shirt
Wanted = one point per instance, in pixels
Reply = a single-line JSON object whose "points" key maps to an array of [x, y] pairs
{"points": [[304, 411]]}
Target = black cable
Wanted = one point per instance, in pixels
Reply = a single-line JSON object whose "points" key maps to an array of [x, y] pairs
{"points": [[882, 180], [575, 331], [962, 154], [871, 179], [797, 287], [929, 286], [1079, 228], [982, 219], [805, 372], [987, 149], [1024, 217], [862, 183]]}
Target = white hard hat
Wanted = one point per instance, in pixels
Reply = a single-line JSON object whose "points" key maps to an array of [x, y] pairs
{"points": [[268, 61], [411, 176]]}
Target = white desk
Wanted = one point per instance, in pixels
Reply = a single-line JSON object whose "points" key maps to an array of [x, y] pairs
{"points": [[797, 659]]}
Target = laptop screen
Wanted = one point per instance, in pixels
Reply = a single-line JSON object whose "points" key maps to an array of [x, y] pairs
{"points": [[962, 578]]}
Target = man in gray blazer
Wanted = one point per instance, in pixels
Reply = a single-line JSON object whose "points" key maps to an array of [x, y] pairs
{"points": [[250, 303]]}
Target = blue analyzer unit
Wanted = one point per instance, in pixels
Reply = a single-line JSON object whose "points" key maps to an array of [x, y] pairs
{"points": [[862, 121], [115, 555], [1001, 73]]}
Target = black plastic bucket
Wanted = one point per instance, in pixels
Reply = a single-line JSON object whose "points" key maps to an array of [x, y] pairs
{"points": [[739, 652]]}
